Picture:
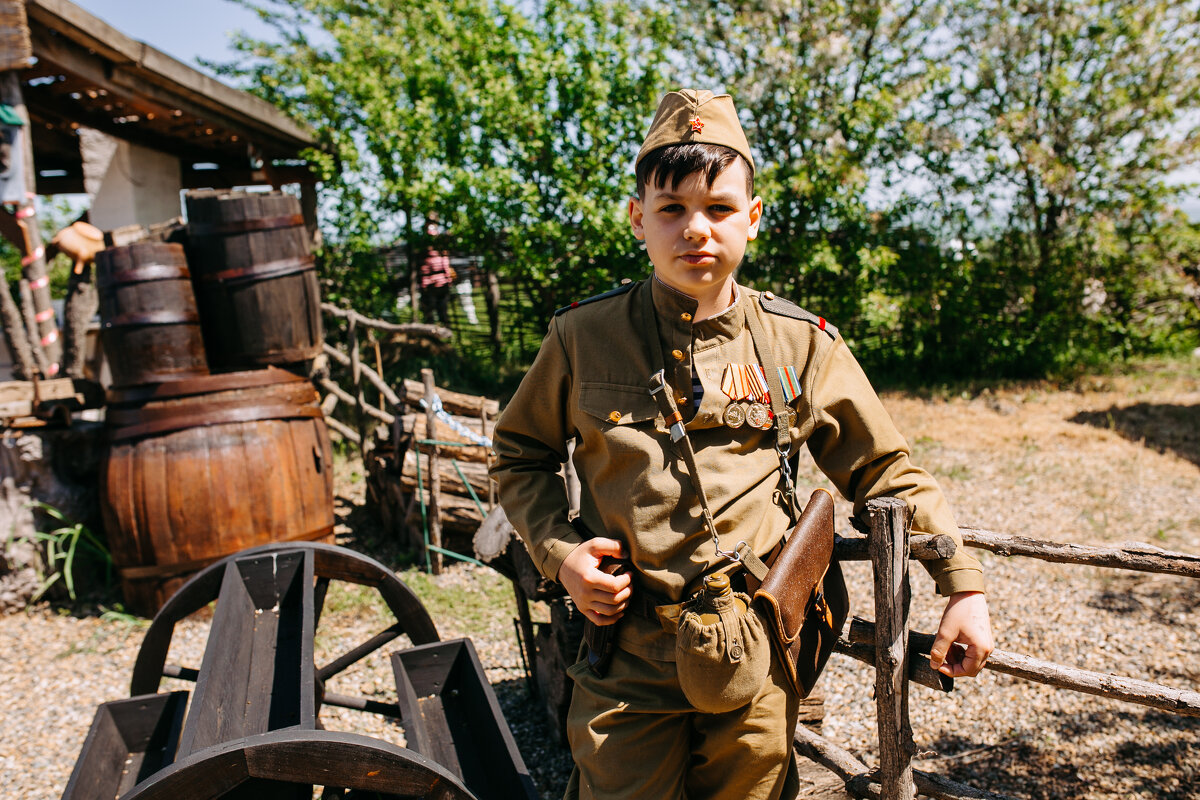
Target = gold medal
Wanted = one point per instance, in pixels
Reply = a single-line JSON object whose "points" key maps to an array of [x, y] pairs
{"points": [[757, 416], [734, 415]]}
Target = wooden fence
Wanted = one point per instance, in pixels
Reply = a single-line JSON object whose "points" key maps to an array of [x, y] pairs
{"points": [[419, 444], [898, 654]]}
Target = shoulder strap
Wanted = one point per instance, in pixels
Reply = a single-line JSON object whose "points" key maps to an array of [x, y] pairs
{"points": [[622, 289]]}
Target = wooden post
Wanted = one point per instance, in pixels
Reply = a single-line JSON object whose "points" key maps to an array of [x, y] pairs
{"points": [[483, 431], [889, 557], [435, 483], [46, 345], [81, 304], [356, 377], [491, 296]]}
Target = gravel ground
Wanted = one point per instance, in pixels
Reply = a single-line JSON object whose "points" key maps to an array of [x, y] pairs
{"points": [[1104, 461]]}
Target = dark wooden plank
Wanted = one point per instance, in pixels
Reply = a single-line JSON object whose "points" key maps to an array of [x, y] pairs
{"points": [[129, 740], [219, 697], [322, 757], [889, 560], [454, 718], [436, 736], [98, 771]]}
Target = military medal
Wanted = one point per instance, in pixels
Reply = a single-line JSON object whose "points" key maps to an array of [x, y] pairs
{"points": [[758, 416], [734, 415]]}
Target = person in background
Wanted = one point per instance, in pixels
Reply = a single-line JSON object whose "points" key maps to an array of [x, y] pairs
{"points": [[436, 276]]}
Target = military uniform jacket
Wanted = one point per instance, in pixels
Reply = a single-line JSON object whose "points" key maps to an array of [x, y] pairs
{"points": [[589, 383]]}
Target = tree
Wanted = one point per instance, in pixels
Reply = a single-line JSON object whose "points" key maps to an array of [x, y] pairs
{"points": [[822, 88], [1059, 123], [516, 123]]}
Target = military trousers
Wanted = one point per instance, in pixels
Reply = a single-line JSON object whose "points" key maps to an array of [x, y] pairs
{"points": [[634, 736]]}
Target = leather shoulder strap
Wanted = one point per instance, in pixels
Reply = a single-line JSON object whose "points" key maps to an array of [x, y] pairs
{"points": [[786, 308]]}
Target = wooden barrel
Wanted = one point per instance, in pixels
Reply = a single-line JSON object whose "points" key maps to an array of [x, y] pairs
{"points": [[199, 469], [255, 279], [149, 326]]}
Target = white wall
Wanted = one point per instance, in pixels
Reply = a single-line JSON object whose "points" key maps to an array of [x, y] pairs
{"points": [[128, 184]]}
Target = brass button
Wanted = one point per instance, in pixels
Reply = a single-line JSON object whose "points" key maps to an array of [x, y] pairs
{"points": [[683, 400], [615, 416], [686, 317], [678, 354], [769, 295]]}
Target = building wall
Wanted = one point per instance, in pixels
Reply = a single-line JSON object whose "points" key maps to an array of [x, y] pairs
{"points": [[128, 184]]}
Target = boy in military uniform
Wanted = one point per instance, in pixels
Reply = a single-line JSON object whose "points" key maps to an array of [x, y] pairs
{"points": [[632, 731]]}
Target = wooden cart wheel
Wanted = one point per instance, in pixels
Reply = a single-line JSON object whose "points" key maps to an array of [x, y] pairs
{"points": [[290, 763], [330, 563]]}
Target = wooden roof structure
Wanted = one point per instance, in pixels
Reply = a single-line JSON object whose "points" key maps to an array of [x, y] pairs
{"points": [[84, 72]]}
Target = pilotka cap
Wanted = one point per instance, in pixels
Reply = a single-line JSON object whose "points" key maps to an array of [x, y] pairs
{"points": [[696, 116]]}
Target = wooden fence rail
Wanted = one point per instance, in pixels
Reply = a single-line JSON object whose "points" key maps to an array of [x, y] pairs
{"points": [[407, 413], [900, 656]]}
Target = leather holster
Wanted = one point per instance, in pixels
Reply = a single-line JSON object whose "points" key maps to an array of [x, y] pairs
{"points": [[803, 596]]}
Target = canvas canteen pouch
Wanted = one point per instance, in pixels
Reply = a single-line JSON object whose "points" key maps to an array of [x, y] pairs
{"points": [[803, 595], [722, 649]]}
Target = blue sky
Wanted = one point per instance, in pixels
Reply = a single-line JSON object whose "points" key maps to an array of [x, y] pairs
{"points": [[185, 30]]}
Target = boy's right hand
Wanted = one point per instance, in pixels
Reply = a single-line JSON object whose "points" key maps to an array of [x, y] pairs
{"points": [[601, 597]]}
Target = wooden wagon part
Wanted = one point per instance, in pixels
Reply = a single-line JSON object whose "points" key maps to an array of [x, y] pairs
{"points": [[252, 725], [267, 765], [330, 563]]}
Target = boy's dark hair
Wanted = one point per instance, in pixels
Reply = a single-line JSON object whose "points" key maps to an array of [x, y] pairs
{"points": [[673, 164]]}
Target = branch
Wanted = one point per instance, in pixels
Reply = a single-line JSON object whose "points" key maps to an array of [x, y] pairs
{"points": [[1131, 690], [346, 397], [370, 374], [1130, 555], [415, 328], [342, 430]]}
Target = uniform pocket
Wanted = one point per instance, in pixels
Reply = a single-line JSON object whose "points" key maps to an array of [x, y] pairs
{"points": [[616, 404]]}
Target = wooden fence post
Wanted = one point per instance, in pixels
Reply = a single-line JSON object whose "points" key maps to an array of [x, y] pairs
{"points": [[435, 483], [356, 378], [889, 559]]}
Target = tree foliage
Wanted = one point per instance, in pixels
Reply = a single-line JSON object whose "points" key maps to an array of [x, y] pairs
{"points": [[515, 123], [966, 188]]}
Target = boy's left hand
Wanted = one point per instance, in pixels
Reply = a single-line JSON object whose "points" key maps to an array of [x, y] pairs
{"points": [[965, 622]]}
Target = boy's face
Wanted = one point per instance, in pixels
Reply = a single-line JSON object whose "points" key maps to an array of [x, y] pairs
{"points": [[695, 234]]}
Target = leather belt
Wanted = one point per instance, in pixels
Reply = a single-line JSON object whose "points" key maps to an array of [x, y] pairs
{"points": [[648, 605]]}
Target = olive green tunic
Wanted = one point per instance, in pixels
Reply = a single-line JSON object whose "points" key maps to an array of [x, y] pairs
{"points": [[589, 383]]}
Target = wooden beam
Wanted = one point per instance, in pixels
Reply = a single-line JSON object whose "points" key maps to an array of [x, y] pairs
{"points": [[922, 547], [15, 50], [127, 83], [225, 177], [141, 65]]}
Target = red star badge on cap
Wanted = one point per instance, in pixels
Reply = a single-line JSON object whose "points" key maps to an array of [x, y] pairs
{"points": [[697, 125]]}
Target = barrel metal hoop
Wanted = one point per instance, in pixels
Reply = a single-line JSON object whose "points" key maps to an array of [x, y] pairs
{"points": [[203, 418], [245, 225], [165, 317], [258, 272], [144, 274], [184, 567], [272, 376]]}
